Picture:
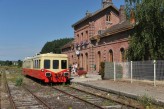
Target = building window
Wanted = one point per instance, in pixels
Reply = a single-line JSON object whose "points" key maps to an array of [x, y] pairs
{"points": [[81, 60], [78, 38], [108, 17], [86, 35], [110, 56], [122, 56], [99, 60], [81, 37], [72, 59], [86, 61]]}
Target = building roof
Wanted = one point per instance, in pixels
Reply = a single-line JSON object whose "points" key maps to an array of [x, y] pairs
{"points": [[68, 44], [93, 14], [120, 27]]}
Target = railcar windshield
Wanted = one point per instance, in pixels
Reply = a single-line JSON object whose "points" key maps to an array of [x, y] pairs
{"points": [[47, 64], [63, 64], [55, 64]]}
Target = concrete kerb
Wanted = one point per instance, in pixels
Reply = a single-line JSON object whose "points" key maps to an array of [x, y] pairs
{"points": [[154, 101]]}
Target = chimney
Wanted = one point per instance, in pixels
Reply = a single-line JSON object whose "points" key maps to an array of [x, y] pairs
{"points": [[122, 15], [106, 3], [88, 13], [132, 17]]}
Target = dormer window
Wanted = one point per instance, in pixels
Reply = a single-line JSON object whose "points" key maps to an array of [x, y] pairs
{"points": [[108, 17]]}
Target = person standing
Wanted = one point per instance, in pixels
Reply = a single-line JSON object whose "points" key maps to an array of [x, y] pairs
{"points": [[73, 69], [76, 66]]}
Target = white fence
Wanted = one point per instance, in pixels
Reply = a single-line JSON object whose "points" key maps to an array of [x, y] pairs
{"points": [[138, 70]]}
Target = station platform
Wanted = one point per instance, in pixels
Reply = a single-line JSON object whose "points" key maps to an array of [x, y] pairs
{"points": [[125, 88]]}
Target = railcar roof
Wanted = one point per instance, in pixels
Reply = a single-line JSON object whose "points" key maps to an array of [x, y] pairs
{"points": [[50, 55], [47, 55]]}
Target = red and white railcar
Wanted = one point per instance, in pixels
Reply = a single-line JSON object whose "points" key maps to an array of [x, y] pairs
{"points": [[47, 67]]}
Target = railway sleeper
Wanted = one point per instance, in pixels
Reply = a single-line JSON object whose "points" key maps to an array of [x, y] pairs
{"points": [[112, 107]]}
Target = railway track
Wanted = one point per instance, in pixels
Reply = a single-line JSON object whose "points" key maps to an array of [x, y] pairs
{"points": [[20, 97], [74, 96], [8, 91], [130, 103], [93, 99], [57, 99]]}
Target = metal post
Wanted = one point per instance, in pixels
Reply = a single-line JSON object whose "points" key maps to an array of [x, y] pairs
{"points": [[131, 76], [154, 72], [114, 71]]}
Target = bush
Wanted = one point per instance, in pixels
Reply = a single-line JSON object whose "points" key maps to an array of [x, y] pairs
{"points": [[19, 81]]}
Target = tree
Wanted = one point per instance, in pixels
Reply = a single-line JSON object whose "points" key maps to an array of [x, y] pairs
{"points": [[147, 40], [55, 46], [19, 63], [8, 63]]}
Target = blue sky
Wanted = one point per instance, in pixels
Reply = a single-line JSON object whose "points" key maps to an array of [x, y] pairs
{"points": [[26, 25]]}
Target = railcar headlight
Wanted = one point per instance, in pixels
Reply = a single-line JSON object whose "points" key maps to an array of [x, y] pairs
{"points": [[42, 70]]}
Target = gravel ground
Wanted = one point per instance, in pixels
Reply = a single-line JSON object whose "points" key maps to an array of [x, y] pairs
{"points": [[125, 87], [4, 102]]}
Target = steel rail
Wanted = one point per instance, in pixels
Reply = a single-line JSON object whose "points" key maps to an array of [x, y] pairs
{"points": [[8, 91], [78, 98], [115, 100], [44, 103]]}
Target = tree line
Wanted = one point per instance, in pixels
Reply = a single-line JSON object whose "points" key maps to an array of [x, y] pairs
{"points": [[55, 45], [11, 63]]}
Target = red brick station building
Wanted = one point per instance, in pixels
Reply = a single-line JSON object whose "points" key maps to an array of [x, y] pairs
{"points": [[98, 37]]}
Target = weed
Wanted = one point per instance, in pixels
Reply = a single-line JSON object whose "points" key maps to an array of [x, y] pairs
{"points": [[146, 101], [70, 107], [19, 81]]}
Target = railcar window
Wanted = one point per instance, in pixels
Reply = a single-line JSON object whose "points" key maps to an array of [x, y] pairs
{"points": [[39, 64], [55, 64], [47, 64], [34, 64], [63, 64]]}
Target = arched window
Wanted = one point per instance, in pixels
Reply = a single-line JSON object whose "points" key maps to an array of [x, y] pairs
{"points": [[72, 59], [99, 60], [86, 61], [78, 39], [86, 35], [81, 60], [122, 54], [110, 55]]}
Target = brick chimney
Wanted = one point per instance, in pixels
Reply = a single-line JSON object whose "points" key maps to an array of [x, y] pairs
{"points": [[106, 3], [122, 14], [88, 13], [132, 17]]}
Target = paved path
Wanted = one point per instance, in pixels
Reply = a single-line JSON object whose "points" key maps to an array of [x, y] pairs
{"points": [[125, 87]]}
